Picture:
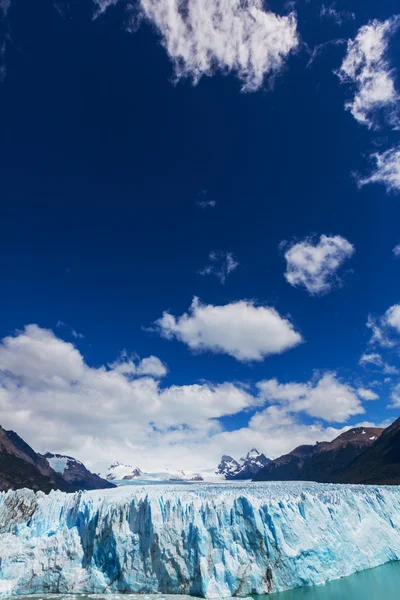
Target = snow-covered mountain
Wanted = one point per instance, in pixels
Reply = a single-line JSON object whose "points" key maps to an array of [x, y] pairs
{"points": [[228, 469], [75, 473], [244, 468], [120, 472]]}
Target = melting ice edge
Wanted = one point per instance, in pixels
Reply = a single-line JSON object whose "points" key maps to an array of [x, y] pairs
{"points": [[202, 540]]}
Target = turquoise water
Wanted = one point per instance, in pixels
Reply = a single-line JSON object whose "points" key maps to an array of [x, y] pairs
{"points": [[381, 583]]}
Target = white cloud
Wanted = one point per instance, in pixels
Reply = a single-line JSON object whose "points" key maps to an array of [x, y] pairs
{"points": [[206, 203], [51, 397], [376, 360], [338, 16], [366, 67], [241, 329], [385, 329], [102, 5], [57, 402], [372, 358], [222, 264], [387, 171], [147, 366], [396, 249], [314, 265], [395, 397], [325, 398], [225, 35], [366, 394]]}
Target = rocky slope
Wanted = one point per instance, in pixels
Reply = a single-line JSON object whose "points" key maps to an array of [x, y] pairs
{"points": [[323, 462], [379, 464], [21, 467], [245, 468], [75, 473]]}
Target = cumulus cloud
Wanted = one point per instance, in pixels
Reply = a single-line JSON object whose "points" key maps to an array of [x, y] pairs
{"points": [[386, 172], [222, 264], [338, 16], [367, 69], [224, 35], [51, 396], [325, 397], [314, 265], [386, 328], [58, 402], [366, 394], [241, 329]]}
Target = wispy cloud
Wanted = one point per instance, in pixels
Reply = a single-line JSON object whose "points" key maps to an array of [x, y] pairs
{"points": [[366, 67], [386, 172], [222, 264], [386, 328], [374, 359], [338, 16], [314, 265], [75, 334], [204, 202]]}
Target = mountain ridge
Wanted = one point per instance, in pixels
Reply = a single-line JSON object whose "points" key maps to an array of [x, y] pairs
{"points": [[322, 462]]}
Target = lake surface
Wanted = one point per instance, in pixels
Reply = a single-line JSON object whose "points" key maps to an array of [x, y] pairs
{"points": [[381, 583]]}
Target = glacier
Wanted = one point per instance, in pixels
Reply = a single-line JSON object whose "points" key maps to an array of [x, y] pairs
{"points": [[207, 540]]}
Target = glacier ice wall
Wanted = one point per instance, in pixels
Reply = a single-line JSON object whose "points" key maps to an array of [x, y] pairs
{"points": [[203, 540]]}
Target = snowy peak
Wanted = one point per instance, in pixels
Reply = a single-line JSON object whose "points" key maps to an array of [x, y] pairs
{"points": [[119, 472], [227, 466], [245, 468]]}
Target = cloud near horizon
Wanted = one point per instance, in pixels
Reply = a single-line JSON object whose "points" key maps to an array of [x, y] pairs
{"points": [[325, 397], [240, 329], [57, 402]]}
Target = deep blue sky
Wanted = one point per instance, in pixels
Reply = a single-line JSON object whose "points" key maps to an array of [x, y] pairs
{"points": [[102, 160]]}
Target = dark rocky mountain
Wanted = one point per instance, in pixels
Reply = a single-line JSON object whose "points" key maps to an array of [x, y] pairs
{"points": [[227, 466], [75, 473], [323, 462], [21, 467], [244, 468], [379, 464]]}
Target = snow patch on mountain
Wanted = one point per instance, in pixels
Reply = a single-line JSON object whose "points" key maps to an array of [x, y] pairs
{"points": [[60, 463]]}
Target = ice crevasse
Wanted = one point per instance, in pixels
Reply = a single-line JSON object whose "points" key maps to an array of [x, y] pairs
{"points": [[202, 540]]}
